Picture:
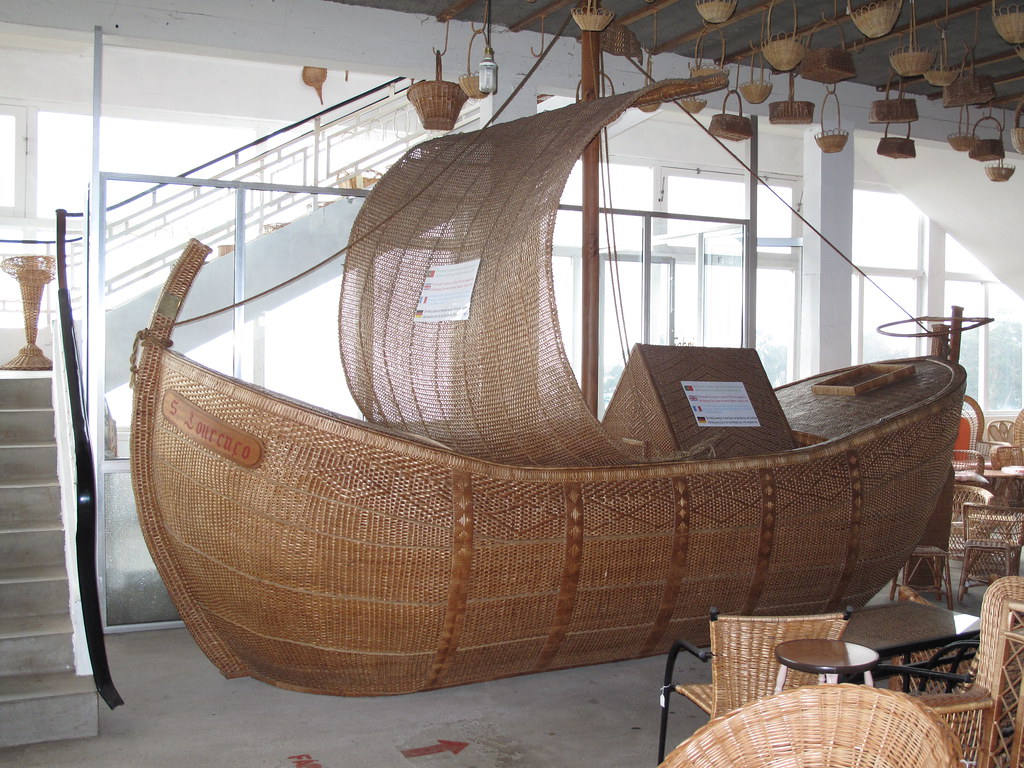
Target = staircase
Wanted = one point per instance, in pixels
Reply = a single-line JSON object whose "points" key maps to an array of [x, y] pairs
{"points": [[41, 697]]}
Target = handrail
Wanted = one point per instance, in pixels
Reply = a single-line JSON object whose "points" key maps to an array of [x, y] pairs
{"points": [[268, 137], [85, 479]]}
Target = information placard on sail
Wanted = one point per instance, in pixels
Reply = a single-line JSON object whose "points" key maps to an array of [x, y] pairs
{"points": [[699, 402]]}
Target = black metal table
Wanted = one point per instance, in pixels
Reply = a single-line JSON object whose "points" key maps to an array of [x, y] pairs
{"points": [[898, 629]]}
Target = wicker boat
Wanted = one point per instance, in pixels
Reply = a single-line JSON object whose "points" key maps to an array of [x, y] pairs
{"points": [[482, 526]]}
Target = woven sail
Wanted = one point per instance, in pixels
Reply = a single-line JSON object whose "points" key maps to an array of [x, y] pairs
{"points": [[497, 385]]}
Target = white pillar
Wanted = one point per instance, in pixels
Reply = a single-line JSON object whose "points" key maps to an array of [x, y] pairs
{"points": [[826, 306]]}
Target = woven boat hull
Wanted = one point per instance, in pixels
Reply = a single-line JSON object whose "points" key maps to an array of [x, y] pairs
{"points": [[351, 560]]}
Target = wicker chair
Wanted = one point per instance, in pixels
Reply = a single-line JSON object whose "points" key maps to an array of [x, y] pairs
{"points": [[1000, 431], [972, 421], [969, 467], [743, 665], [963, 494], [993, 537], [823, 726], [983, 708]]}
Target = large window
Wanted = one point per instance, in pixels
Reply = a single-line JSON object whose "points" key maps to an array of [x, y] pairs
{"points": [[991, 354], [887, 248]]}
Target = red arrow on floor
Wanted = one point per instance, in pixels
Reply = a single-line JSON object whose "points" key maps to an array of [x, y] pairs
{"points": [[442, 746]]}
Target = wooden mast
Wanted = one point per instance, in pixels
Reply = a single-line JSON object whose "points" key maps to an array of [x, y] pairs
{"points": [[591, 256]]}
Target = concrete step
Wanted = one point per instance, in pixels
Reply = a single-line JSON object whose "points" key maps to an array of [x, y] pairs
{"points": [[26, 544], [28, 462], [36, 708], [36, 645], [26, 390], [33, 425], [33, 591], [37, 502]]}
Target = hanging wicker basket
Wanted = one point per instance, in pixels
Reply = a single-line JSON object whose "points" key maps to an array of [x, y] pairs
{"points": [[969, 88], [470, 82], [898, 110], [1009, 22], [315, 77], [911, 62], [591, 17], [700, 68], [438, 102], [987, 150], [785, 50], [790, 111], [831, 140], [897, 147], [756, 90], [963, 139], [693, 106], [877, 18], [731, 127], [941, 73], [716, 11], [827, 65], [1017, 133], [618, 40], [1000, 171]]}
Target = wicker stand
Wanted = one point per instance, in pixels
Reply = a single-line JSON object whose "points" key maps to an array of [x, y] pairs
{"points": [[32, 273]]}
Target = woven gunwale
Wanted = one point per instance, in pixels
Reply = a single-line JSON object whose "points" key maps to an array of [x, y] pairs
{"points": [[355, 561]]}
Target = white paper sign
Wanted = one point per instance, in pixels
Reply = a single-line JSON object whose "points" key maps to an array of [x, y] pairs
{"points": [[447, 292], [720, 404]]}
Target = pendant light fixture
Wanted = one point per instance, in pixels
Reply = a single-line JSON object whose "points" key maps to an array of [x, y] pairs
{"points": [[488, 66]]}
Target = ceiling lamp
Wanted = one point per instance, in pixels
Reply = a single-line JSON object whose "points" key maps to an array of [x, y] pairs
{"points": [[488, 66]]}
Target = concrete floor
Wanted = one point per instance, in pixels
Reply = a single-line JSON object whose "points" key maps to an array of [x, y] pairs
{"points": [[179, 711]]}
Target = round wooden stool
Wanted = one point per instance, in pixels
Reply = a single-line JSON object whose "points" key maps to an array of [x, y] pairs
{"points": [[826, 658]]}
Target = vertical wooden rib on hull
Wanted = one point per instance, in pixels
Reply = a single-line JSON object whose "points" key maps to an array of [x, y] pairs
{"points": [[356, 562]]}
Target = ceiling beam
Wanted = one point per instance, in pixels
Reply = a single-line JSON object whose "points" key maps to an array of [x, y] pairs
{"points": [[542, 13], [454, 10], [645, 10], [693, 34]]}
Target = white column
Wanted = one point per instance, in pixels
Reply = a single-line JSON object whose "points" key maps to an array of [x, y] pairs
{"points": [[826, 307]]}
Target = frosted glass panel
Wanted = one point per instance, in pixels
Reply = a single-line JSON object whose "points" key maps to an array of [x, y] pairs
{"points": [[134, 593]]}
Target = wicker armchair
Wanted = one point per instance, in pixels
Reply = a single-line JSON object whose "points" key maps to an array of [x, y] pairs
{"points": [[993, 537], [969, 467], [972, 421], [823, 726], [963, 494], [983, 707], [1000, 431], [743, 665]]}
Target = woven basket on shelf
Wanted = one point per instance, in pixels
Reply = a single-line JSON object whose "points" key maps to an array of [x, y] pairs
{"points": [[963, 139], [877, 18], [897, 147], [785, 50], [790, 111], [731, 127], [827, 65], [438, 102], [1000, 171], [715, 11], [1017, 133], [986, 150], [591, 17], [898, 110], [831, 139], [756, 89], [1009, 22]]}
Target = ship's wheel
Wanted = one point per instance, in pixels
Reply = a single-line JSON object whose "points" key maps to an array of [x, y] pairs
{"points": [[945, 331]]}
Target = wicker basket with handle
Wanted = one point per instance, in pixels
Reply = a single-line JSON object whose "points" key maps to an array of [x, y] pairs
{"points": [[963, 139], [790, 111], [831, 139], [700, 68], [756, 89], [1017, 133], [731, 127], [987, 150], [911, 60], [897, 147], [999, 171], [438, 102], [785, 50], [898, 110], [877, 18], [1009, 22], [827, 65], [970, 88], [715, 11]]}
